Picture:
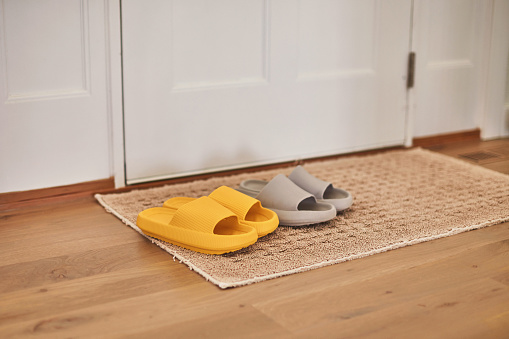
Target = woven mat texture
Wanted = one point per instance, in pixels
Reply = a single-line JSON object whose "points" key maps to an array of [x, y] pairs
{"points": [[400, 198]]}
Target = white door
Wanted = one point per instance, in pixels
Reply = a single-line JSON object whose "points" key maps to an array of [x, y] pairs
{"points": [[211, 85], [449, 40], [53, 97]]}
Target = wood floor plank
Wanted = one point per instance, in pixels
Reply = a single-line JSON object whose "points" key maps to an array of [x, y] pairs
{"points": [[14, 254], [58, 219], [63, 230], [52, 270], [340, 306], [469, 310], [48, 301], [499, 166], [129, 315], [242, 322]]}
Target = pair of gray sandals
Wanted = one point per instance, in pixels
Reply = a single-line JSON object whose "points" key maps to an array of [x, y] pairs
{"points": [[299, 199]]}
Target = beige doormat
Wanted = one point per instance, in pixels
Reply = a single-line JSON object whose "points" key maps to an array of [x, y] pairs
{"points": [[401, 198]]}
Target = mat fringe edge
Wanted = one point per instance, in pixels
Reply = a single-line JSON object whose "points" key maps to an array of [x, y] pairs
{"points": [[224, 285]]}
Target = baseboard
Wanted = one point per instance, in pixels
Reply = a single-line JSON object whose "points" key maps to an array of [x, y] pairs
{"points": [[442, 139], [12, 200]]}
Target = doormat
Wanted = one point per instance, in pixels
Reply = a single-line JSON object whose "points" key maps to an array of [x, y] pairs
{"points": [[401, 198]]}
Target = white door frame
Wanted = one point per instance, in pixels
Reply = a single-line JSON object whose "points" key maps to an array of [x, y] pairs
{"points": [[115, 102]]}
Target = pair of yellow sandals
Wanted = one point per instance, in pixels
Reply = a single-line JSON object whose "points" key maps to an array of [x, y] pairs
{"points": [[225, 221]]}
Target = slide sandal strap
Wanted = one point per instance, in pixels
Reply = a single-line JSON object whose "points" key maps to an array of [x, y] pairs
{"points": [[282, 194], [309, 182], [237, 202], [201, 215]]}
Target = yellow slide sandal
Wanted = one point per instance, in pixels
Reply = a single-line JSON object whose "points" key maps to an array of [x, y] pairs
{"points": [[202, 225], [249, 210]]}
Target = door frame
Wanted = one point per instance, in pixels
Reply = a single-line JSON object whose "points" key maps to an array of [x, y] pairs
{"points": [[116, 101]]}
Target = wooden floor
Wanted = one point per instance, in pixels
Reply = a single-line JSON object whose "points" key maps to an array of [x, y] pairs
{"points": [[69, 269]]}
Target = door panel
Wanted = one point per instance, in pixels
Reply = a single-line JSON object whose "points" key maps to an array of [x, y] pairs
{"points": [[235, 52], [32, 75], [239, 83], [349, 45], [448, 42]]}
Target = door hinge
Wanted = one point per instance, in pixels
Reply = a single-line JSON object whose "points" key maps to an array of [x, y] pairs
{"points": [[411, 70]]}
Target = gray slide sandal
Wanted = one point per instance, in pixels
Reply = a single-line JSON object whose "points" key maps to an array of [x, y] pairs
{"points": [[293, 205], [322, 190]]}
